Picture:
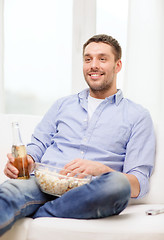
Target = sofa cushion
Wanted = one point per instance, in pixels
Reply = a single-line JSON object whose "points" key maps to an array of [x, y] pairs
{"points": [[132, 223], [19, 230]]}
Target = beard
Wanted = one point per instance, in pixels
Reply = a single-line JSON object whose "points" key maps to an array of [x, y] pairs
{"points": [[103, 87], [100, 86]]}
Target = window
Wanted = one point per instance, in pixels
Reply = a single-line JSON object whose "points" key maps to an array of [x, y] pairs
{"points": [[37, 54], [38, 47], [112, 19]]}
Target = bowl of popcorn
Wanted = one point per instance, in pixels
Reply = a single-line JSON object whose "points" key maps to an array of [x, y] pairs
{"points": [[51, 179]]}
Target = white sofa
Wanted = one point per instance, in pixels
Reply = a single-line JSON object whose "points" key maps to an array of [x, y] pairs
{"points": [[131, 224]]}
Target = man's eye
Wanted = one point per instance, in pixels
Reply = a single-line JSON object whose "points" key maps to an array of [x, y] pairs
{"points": [[87, 60], [103, 59]]}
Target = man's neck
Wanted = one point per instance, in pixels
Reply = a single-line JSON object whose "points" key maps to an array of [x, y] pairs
{"points": [[101, 94]]}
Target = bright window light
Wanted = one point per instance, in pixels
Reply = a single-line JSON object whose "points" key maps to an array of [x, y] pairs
{"points": [[112, 19], [38, 53]]}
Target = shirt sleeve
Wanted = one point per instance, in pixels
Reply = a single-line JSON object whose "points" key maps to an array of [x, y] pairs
{"points": [[140, 152], [43, 133]]}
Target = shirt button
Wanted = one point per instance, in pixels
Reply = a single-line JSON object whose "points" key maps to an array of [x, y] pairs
{"points": [[85, 120], [82, 152]]}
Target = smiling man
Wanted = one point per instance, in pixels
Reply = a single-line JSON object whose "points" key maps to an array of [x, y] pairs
{"points": [[100, 68], [96, 132]]}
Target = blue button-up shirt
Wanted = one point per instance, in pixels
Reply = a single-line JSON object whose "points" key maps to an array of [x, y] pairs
{"points": [[119, 134]]}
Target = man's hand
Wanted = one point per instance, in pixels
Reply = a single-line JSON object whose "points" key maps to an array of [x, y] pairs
{"points": [[95, 169], [12, 172], [86, 167]]}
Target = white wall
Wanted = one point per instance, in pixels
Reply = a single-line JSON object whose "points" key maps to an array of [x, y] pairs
{"points": [[144, 74]]}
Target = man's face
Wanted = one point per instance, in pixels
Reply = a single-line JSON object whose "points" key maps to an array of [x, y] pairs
{"points": [[100, 69]]}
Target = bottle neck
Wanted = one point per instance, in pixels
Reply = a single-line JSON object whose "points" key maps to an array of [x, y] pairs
{"points": [[17, 141]]}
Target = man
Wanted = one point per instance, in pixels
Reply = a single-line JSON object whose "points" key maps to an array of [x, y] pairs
{"points": [[97, 132]]}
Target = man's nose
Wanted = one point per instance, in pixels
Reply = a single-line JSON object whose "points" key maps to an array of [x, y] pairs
{"points": [[94, 64]]}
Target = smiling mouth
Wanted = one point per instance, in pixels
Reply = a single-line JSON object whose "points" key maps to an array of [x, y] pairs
{"points": [[95, 75]]}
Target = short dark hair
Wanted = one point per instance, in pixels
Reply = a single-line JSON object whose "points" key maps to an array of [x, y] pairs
{"points": [[117, 51]]}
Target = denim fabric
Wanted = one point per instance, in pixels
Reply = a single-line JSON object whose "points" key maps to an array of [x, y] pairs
{"points": [[19, 198], [105, 196]]}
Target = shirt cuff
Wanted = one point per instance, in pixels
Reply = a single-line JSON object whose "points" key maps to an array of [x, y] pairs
{"points": [[144, 183]]}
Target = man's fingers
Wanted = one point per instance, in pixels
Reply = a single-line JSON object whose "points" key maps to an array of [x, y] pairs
{"points": [[77, 173], [10, 157], [10, 171], [68, 165], [31, 163], [9, 164], [64, 171]]}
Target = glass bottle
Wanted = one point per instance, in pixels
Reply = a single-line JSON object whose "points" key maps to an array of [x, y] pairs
{"points": [[19, 153]]}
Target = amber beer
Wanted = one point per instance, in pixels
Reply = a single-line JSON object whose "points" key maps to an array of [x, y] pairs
{"points": [[19, 153]]}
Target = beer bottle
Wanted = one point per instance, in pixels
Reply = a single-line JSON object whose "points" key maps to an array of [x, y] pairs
{"points": [[19, 153]]}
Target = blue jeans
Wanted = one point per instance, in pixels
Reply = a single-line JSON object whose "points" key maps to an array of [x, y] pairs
{"points": [[105, 196]]}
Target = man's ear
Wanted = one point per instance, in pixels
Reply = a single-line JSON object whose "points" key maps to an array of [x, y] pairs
{"points": [[118, 65]]}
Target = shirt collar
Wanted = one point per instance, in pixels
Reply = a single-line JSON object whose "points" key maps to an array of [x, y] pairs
{"points": [[116, 98], [84, 94]]}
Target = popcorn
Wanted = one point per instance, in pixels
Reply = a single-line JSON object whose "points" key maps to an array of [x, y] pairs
{"points": [[56, 184]]}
